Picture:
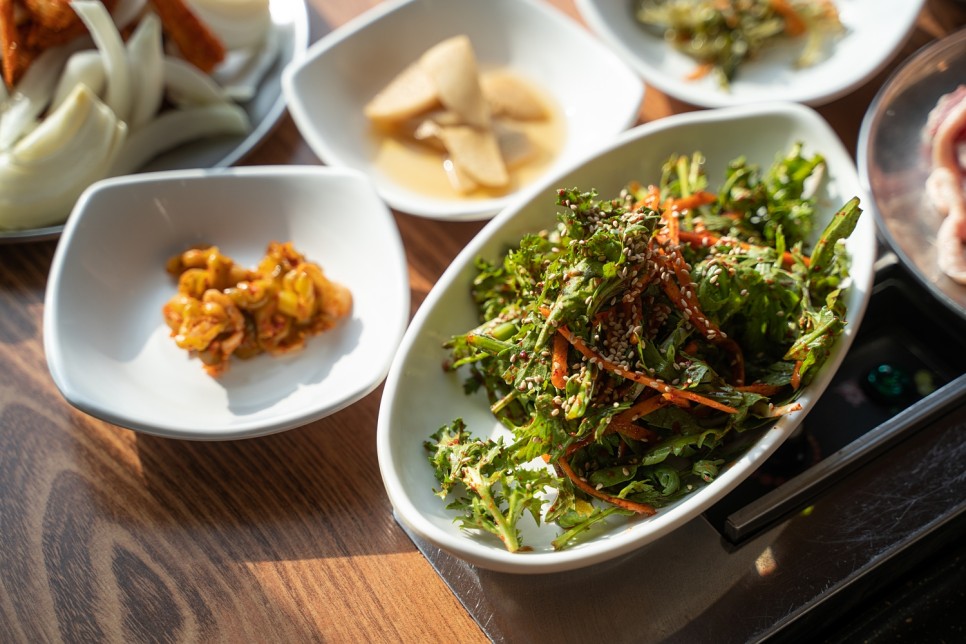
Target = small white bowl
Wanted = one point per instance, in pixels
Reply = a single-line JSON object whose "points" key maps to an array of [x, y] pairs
{"points": [[599, 95], [876, 29], [419, 397], [109, 350]]}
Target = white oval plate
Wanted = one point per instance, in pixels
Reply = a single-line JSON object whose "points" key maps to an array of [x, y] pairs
{"points": [[290, 20], [110, 352], [419, 397], [598, 94], [875, 30]]}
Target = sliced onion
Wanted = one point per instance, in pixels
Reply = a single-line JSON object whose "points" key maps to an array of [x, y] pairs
{"points": [[186, 85], [42, 176], [177, 127], [146, 55], [107, 39], [32, 94], [83, 67], [243, 69]]}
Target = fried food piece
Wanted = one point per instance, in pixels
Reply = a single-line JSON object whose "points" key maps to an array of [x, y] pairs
{"points": [[195, 41], [28, 28], [42, 24], [54, 15], [16, 58]]}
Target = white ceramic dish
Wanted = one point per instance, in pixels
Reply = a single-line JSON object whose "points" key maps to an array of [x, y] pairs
{"points": [[875, 30], [598, 94], [419, 397], [266, 107], [110, 352], [894, 161]]}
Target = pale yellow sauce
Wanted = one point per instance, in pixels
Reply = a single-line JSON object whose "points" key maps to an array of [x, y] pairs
{"points": [[420, 168]]}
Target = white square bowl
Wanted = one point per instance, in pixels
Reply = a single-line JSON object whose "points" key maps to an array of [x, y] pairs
{"points": [[109, 349], [598, 95], [874, 31]]}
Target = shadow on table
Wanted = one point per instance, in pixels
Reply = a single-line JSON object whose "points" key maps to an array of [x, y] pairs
{"points": [[307, 493]]}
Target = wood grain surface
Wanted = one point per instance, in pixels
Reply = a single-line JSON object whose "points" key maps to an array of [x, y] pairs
{"points": [[107, 535]]}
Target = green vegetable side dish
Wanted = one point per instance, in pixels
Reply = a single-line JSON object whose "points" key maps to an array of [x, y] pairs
{"points": [[723, 34], [642, 344]]}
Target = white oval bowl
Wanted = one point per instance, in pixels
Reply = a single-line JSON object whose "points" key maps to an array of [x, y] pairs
{"points": [[419, 397]]}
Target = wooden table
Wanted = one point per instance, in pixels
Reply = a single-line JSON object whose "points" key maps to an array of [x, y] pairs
{"points": [[108, 535]]}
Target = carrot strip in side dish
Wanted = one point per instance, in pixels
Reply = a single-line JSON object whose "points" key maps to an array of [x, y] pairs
{"points": [[645, 407], [694, 200], [705, 239], [558, 370], [684, 298], [760, 388], [196, 42], [794, 25], [640, 378], [651, 200], [638, 508]]}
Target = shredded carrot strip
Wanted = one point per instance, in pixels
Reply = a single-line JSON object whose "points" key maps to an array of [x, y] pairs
{"points": [[639, 508], [558, 368], [685, 298], [760, 388], [644, 407], [794, 25], [700, 198], [647, 381], [630, 430], [705, 239], [651, 200], [670, 218], [623, 423]]}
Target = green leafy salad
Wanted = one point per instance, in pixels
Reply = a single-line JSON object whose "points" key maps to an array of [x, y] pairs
{"points": [[642, 344], [723, 34]]}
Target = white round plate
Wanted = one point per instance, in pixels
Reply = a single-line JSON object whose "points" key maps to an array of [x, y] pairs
{"points": [[875, 30]]}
